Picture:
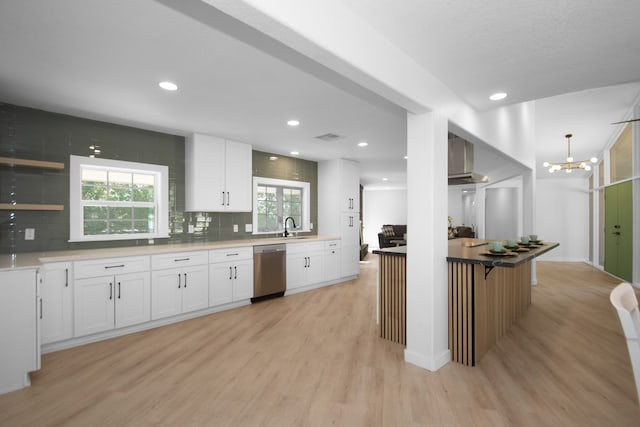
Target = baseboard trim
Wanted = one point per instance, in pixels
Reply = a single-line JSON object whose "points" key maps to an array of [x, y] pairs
{"points": [[429, 363]]}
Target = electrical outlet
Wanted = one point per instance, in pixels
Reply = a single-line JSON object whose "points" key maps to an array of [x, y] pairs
{"points": [[248, 228], [311, 226], [29, 233], [190, 229], [235, 228]]}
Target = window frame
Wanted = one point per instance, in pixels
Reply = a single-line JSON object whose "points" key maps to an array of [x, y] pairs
{"points": [[276, 182], [76, 213]]}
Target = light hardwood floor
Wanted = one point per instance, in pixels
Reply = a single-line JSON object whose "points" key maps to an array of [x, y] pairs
{"points": [[316, 359]]}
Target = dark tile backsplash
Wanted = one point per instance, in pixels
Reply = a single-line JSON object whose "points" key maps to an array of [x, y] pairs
{"points": [[40, 135]]}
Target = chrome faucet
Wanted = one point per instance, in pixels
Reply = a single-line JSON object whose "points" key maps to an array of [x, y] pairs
{"points": [[286, 233]]}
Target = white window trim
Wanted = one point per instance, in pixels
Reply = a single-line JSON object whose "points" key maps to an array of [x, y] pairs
{"points": [[306, 205], [76, 228]]}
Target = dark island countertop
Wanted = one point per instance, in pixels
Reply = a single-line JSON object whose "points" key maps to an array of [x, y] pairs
{"points": [[474, 251]]}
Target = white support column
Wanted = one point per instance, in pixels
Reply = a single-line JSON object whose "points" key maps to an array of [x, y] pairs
{"points": [[529, 212], [427, 296]]}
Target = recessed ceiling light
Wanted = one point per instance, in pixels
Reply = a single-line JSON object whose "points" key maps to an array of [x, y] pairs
{"points": [[385, 179], [293, 123], [168, 86], [498, 96], [406, 157], [363, 144], [273, 158], [294, 153]]}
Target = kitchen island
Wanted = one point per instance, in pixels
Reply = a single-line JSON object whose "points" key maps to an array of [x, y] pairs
{"points": [[487, 294]]}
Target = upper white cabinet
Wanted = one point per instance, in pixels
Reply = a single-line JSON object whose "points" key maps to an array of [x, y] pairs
{"points": [[218, 175], [339, 207], [111, 293], [19, 313], [57, 302]]}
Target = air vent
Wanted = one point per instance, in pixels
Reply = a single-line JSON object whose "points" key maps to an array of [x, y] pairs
{"points": [[329, 137]]}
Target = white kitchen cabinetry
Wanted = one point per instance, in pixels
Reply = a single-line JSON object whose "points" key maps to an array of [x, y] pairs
{"points": [[180, 283], [111, 293], [19, 314], [339, 209], [332, 259], [57, 302], [305, 264], [218, 175], [230, 275]]}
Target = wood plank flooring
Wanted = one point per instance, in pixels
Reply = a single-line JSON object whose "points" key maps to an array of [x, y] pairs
{"points": [[315, 359]]}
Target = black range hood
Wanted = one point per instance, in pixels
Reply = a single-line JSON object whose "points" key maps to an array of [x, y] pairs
{"points": [[461, 163]]}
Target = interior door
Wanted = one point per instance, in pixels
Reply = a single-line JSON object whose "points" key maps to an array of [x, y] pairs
{"points": [[618, 232]]}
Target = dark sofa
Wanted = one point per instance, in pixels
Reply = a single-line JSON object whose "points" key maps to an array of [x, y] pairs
{"points": [[385, 238]]}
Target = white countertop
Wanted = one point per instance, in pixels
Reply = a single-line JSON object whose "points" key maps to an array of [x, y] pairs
{"points": [[35, 259]]}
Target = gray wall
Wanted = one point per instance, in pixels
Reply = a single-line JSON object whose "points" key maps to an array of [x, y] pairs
{"points": [[40, 135]]}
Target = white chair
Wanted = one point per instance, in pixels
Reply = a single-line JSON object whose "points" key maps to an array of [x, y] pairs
{"points": [[623, 298]]}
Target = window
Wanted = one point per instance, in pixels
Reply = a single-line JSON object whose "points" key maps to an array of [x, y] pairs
{"points": [[620, 155], [276, 199], [117, 200]]}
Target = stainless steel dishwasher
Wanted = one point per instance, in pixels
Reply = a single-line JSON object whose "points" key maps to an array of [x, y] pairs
{"points": [[269, 271]]}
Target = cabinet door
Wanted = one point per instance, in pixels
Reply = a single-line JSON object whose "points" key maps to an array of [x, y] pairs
{"points": [[349, 231], [239, 177], [315, 268], [93, 304], [242, 280], [220, 283], [57, 302], [133, 299], [332, 264], [351, 180], [195, 288], [18, 328], [350, 260], [296, 270], [166, 293], [204, 173]]}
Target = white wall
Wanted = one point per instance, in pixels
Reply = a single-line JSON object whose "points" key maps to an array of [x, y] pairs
{"points": [[456, 210], [562, 215], [382, 207]]}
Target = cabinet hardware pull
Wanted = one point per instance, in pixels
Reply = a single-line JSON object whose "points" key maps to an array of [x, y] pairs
{"points": [[235, 272], [40, 308], [181, 259], [114, 266], [236, 254], [230, 273], [110, 291], [185, 280], [66, 277], [228, 198], [223, 198], [179, 280], [118, 290]]}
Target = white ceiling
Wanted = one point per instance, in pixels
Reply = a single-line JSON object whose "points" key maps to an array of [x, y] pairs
{"points": [[103, 60]]}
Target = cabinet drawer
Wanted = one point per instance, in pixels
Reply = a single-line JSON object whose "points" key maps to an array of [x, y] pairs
{"points": [[230, 254], [178, 259], [110, 266], [332, 244], [307, 247]]}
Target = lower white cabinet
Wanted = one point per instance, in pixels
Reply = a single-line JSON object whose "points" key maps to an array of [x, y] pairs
{"points": [[332, 258], [230, 275], [180, 283], [305, 264], [19, 314], [121, 298], [57, 302]]}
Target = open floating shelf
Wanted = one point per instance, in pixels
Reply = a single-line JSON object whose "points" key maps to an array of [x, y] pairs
{"points": [[30, 207], [31, 163]]}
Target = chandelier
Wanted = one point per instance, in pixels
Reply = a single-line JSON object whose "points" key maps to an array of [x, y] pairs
{"points": [[570, 164]]}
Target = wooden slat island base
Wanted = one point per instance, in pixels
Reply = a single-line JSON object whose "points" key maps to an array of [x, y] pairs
{"points": [[487, 295]]}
